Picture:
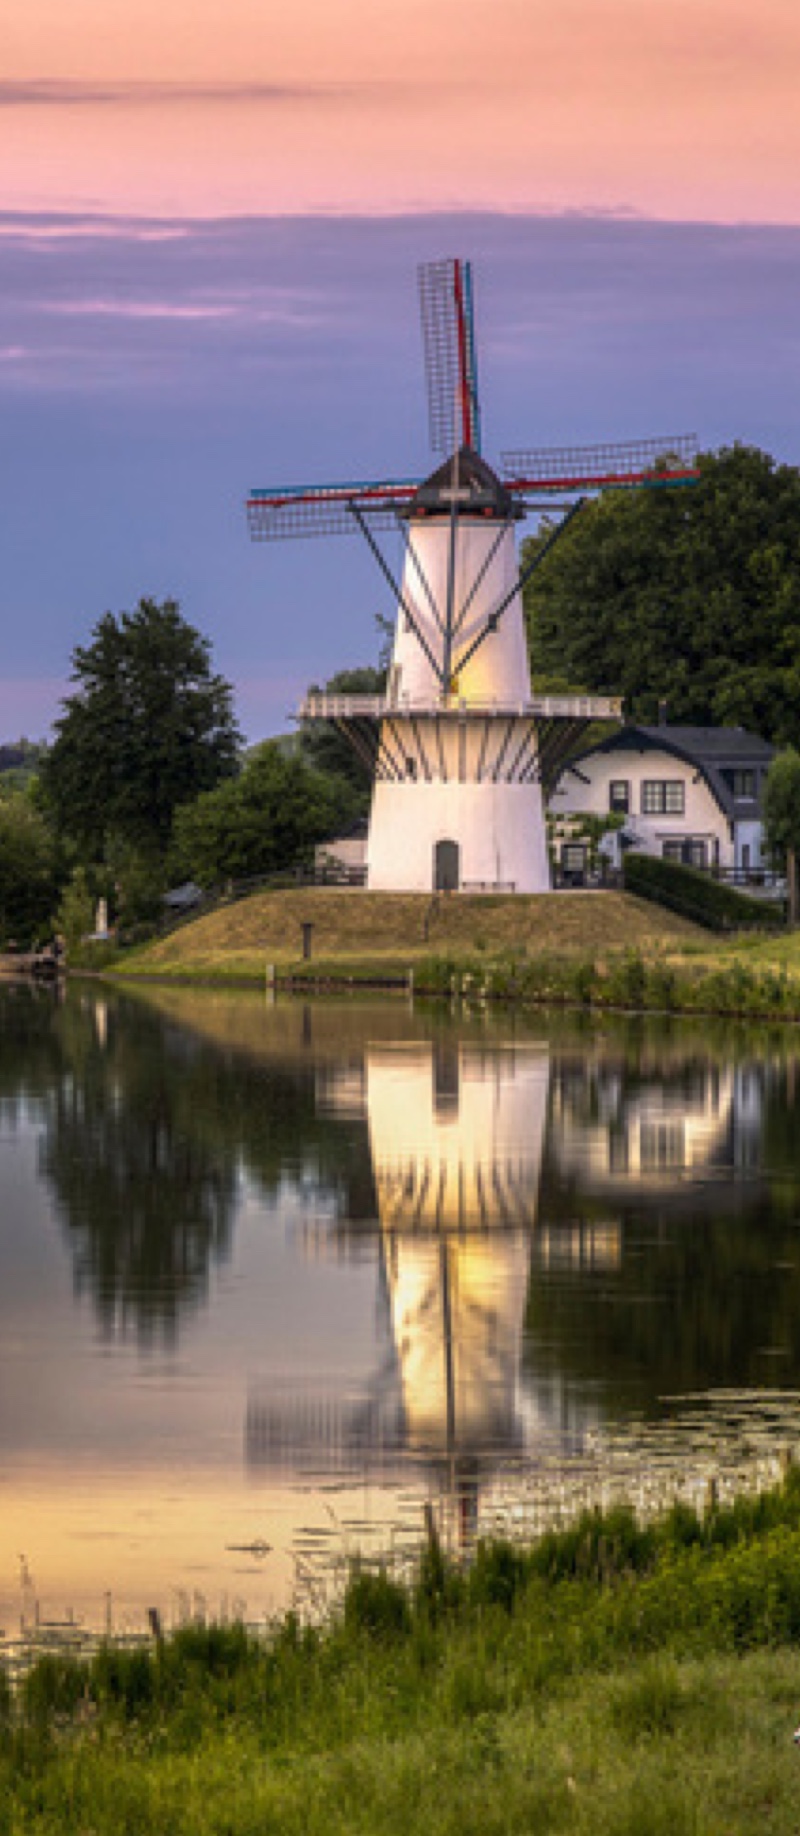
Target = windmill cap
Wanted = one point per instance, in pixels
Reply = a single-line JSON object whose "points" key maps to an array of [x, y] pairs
{"points": [[467, 480]]}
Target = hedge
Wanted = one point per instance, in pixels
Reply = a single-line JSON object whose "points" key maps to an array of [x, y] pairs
{"points": [[697, 896]]}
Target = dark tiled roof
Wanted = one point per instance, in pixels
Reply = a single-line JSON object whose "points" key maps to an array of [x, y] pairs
{"points": [[713, 750], [720, 745]]}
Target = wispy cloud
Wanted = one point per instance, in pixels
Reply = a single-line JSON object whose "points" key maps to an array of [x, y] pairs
{"points": [[60, 92], [18, 226], [137, 309]]}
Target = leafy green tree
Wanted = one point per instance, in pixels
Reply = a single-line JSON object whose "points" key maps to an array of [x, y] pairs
{"points": [[782, 817], [267, 819], [327, 749], [149, 726], [76, 912], [689, 595], [29, 876]]}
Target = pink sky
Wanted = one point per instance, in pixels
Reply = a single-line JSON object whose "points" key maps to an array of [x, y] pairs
{"points": [[686, 109]]}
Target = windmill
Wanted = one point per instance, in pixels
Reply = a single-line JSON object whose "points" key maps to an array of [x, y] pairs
{"points": [[459, 747]]}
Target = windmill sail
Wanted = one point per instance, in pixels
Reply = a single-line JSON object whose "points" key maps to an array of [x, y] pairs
{"points": [[616, 464], [310, 510], [451, 371]]}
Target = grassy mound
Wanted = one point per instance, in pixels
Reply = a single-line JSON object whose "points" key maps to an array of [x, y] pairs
{"points": [[383, 933]]}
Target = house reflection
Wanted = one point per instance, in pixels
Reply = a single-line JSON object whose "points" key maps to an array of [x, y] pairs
{"points": [[650, 1130]]}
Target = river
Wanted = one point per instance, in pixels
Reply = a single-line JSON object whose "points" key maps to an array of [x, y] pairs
{"points": [[273, 1275]]}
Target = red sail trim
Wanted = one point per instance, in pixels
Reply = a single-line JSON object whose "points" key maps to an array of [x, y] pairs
{"points": [[463, 358], [607, 481]]}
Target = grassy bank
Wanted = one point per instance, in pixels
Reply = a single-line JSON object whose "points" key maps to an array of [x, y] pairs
{"points": [[378, 935], [627, 979], [614, 1679], [589, 950]]}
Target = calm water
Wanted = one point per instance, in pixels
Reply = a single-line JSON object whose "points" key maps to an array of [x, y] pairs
{"points": [[273, 1276]]}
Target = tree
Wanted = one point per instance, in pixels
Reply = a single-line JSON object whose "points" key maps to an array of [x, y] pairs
{"points": [[149, 726], [76, 913], [326, 748], [267, 819], [29, 876], [689, 596], [782, 817]]}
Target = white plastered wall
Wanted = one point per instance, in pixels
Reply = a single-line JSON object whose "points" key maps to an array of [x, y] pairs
{"points": [[499, 670], [749, 835], [499, 829], [589, 793]]}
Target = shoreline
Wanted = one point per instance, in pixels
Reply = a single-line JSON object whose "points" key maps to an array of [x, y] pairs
{"points": [[615, 1679], [627, 981]]}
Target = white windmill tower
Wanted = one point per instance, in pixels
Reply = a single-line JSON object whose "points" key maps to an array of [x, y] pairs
{"points": [[460, 748]]}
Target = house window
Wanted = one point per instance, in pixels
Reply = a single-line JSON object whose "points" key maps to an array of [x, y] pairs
{"points": [[662, 1145], [693, 852], [744, 783], [619, 796], [663, 797]]}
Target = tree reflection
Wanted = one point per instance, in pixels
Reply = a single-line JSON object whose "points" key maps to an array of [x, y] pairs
{"points": [[148, 1203], [147, 1131]]}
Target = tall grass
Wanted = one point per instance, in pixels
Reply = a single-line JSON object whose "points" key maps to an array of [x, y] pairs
{"points": [[613, 1678], [627, 980]]}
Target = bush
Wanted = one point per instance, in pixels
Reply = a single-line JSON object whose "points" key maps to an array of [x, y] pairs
{"points": [[498, 1572], [375, 1604], [55, 1686], [123, 1679], [697, 896]]}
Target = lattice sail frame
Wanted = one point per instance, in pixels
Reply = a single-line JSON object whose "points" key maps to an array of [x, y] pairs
{"points": [[451, 369], [614, 465]]}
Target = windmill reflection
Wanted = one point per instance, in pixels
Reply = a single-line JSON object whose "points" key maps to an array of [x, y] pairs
{"points": [[457, 1136], [457, 1147]]}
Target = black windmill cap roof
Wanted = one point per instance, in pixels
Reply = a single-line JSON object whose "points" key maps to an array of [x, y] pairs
{"points": [[479, 491]]}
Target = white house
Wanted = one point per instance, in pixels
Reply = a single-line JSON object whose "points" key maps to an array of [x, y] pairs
{"points": [[690, 794]]}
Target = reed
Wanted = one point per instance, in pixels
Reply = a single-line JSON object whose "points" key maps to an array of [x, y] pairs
{"points": [[616, 1679]]}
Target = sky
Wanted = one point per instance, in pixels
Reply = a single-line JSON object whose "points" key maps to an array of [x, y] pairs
{"points": [[210, 222]]}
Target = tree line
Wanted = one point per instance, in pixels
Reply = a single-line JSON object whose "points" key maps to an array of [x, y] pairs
{"points": [[147, 784], [687, 597]]}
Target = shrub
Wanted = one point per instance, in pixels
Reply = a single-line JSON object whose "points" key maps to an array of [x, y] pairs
{"points": [[498, 1572], [55, 1686], [626, 980], [375, 1604], [123, 1678], [697, 896]]}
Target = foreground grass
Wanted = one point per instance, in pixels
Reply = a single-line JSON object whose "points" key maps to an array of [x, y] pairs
{"points": [[613, 1680]]}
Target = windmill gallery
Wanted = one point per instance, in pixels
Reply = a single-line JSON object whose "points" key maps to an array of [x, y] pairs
{"points": [[460, 749]]}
